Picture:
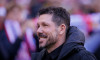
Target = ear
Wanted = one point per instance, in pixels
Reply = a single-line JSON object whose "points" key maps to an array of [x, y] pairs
{"points": [[62, 29]]}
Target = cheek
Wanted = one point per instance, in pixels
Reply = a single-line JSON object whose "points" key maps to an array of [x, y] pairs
{"points": [[47, 32], [50, 30], [52, 36]]}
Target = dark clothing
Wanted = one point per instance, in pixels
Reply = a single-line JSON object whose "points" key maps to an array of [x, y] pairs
{"points": [[8, 50], [53, 55], [97, 53], [73, 48]]}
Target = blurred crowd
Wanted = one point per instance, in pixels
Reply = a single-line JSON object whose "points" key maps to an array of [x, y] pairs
{"points": [[18, 20]]}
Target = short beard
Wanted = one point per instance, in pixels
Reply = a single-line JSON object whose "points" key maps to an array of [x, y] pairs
{"points": [[51, 41]]}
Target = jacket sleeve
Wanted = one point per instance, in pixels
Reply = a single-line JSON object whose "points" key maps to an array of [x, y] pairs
{"points": [[85, 55], [8, 50], [15, 47]]}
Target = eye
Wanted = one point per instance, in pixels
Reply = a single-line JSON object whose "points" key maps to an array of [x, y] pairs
{"points": [[38, 25], [45, 24]]}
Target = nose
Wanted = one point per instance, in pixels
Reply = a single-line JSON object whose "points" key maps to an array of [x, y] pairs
{"points": [[39, 30]]}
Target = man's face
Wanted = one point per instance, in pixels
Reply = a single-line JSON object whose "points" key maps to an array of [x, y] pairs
{"points": [[47, 31]]}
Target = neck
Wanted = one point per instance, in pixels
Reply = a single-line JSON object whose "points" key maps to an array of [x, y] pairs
{"points": [[59, 42]]}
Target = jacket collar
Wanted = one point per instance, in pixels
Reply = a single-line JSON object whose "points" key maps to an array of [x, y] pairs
{"points": [[75, 38], [74, 35], [41, 54]]}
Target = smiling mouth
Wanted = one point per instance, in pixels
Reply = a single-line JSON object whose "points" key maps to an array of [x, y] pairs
{"points": [[42, 36], [41, 40]]}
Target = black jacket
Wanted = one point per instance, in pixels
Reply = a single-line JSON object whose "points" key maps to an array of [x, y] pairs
{"points": [[73, 48], [7, 50]]}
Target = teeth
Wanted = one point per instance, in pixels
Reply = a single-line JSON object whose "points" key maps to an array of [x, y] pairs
{"points": [[41, 38]]}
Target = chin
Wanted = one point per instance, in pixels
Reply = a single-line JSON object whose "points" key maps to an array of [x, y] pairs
{"points": [[41, 45]]}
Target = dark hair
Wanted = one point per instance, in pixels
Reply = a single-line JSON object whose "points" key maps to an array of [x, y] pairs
{"points": [[60, 15]]}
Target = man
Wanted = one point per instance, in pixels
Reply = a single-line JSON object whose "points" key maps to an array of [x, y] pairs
{"points": [[53, 24]]}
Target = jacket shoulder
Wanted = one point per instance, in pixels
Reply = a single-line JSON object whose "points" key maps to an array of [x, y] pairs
{"points": [[85, 55], [34, 56]]}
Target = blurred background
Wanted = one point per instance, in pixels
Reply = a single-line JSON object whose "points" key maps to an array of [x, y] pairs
{"points": [[18, 20]]}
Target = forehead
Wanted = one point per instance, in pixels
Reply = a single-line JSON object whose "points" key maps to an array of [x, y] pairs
{"points": [[45, 18]]}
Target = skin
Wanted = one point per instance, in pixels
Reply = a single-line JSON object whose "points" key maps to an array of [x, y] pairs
{"points": [[50, 35]]}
